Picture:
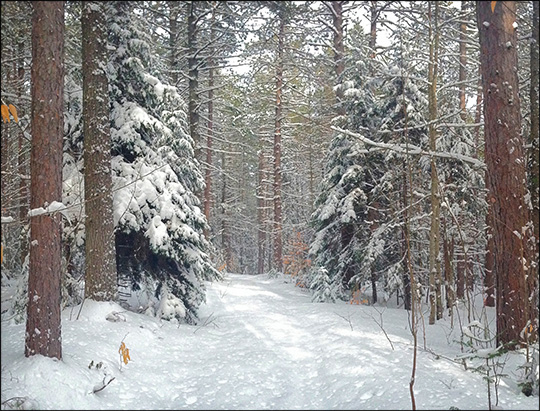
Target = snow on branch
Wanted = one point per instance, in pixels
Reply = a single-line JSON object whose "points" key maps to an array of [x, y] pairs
{"points": [[54, 207], [411, 149]]}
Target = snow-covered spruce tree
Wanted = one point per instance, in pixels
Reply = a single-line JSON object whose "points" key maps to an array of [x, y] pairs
{"points": [[161, 250], [324, 290], [364, 117], [401, 104], [341, 205], [385, 106]]}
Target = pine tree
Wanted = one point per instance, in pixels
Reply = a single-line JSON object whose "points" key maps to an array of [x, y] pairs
{"points": [[514, 254], [43, 323], [341, 206]]}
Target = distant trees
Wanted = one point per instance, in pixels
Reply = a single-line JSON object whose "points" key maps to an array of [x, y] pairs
{"points": [[15, 144], [43, 322], [282, 14]]}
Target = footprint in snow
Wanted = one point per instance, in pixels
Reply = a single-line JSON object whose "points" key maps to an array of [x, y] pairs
{"points": [[191, 400]]}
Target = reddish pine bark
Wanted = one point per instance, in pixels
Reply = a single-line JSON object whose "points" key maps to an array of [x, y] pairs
{"points": [[43, 324], [505, 160]]}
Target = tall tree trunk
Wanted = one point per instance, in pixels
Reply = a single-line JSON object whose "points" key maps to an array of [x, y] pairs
{"points": [[210, 136], [193, 75], [534, 167], [504, 155], [339, 54], [463, 61], [43, 323], [278, 239], [448, 251], [407, 274], [173, 41], [435, 278], [261, 213], [100, 262], [489, 263], [225, 234], [460, 277], [374, 15], [534, 153], [374, 210]]}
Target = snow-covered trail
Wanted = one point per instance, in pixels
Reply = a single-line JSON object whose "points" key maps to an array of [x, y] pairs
{"points": [[292, 352], [281, 351], [261, 344]]}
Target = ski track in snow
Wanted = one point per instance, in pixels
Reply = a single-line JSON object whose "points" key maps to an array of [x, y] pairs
{"points": [[261, 344]]}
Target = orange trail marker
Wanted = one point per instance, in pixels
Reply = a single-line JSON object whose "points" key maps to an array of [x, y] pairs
{"points": [[13, 112], [5, 113], [124, 352]]}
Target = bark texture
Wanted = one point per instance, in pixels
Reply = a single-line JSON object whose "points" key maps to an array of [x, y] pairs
{"points": [[43, 324], [504, 154], [100, 276], [534, 154]]}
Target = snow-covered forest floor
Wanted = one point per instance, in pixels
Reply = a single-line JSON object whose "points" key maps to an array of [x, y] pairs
{"points": [[261, 344]]}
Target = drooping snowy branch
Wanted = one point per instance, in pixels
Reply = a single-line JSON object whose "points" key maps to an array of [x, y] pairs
{"points": [[54, 207], [411, 149]]}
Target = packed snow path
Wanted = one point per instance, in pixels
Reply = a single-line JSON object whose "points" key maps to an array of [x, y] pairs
{"points": [[261, 344]]}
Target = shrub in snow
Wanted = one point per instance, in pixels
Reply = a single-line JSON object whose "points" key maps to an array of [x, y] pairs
{"points": [[170, 306], [273, 273], [484, 357], [323, 288], [15, 295]]}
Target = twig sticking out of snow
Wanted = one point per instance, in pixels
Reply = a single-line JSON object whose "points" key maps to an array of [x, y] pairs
{"points": [[210, 320], [347, 319], [101, 387]]}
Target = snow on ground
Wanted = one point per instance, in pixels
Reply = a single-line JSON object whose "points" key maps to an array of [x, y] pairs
{"points": [[261, 344]]}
